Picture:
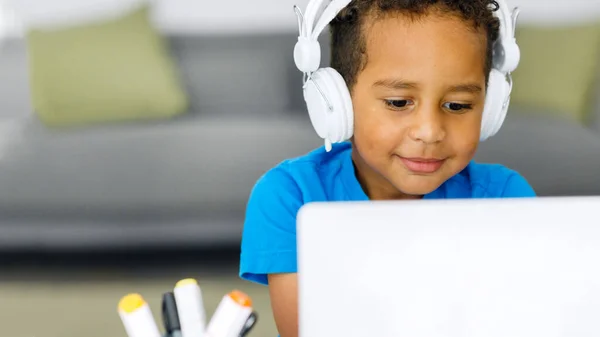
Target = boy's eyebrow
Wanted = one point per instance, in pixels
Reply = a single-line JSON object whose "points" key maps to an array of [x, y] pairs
{"points": [[395, 84], [400, 84], [470, 88]]}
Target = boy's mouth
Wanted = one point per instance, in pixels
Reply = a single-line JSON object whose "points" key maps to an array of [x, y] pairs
{"points": [[422, 165]]}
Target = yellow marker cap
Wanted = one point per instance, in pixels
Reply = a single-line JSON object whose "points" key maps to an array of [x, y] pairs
{"points": [[186, 282], [240, 298], [131, 302]]}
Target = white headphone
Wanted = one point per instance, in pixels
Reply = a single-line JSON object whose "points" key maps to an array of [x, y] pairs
{"points": [[328, 98]]}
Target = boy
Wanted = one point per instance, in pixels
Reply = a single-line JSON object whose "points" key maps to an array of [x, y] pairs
{"points": [[418, 72]]}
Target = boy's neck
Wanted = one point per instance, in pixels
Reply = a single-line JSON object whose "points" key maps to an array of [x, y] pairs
{"points": [[373, 184]]}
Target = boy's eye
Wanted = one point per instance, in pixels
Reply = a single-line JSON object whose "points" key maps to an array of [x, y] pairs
{"points": [[457, 107], [397, 103]]}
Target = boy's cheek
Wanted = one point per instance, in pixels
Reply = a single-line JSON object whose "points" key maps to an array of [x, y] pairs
{"points": [[464, 135], [377, 133]]}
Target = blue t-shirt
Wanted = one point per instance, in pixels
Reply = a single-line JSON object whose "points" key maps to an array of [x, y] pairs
{"points": [[269, 235]]}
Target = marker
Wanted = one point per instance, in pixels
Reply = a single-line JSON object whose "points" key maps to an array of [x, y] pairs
{"points": [[170, 316], [231, 316], [190, 308], [137, 317]]}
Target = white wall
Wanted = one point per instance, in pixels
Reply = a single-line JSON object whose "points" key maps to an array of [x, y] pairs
{"points": [[224, 16], [557, 11], [210, 16], [228, 15], [261, 15]]}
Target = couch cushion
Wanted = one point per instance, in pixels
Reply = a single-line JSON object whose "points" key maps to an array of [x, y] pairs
{"points": [[107, 71], [193, 164], [558, 79], [556, 156], [236, 75]]}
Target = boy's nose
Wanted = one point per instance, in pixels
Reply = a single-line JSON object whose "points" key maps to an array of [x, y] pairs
{"points": [[428, 126]]}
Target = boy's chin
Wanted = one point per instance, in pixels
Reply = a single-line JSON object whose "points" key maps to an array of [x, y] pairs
{"points": [[419, 185]]}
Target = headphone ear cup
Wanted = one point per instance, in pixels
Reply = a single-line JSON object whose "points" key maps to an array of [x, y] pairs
{"points": [[334, 125], [495, 110], [344, 99]]}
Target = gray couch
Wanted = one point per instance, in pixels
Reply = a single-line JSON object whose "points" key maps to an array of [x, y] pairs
{"points": [[185, 182]]}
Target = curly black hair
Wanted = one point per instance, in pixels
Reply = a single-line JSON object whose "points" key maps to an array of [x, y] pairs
{"points": [[348, 45]]}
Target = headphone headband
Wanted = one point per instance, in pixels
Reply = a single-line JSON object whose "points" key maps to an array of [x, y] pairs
{"points": [[507, 54], [506, 23], [319, 13], [330, 12], [307, 52]]}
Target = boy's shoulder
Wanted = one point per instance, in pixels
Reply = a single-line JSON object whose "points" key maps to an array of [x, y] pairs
{"points": [[317, 159], [314, 166], [494, 180]]}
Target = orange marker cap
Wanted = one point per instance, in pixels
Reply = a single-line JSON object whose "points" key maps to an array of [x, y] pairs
{"points": [[240, 298]]}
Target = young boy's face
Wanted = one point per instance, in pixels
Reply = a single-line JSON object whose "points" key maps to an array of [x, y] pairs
{"points": [[417, 103]]}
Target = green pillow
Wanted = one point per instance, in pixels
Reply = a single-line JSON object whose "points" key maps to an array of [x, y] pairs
{"points": [[108, 71], [558, 69]]}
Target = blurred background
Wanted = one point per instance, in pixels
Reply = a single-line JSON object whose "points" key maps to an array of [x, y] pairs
{"points": [[132, 131]]}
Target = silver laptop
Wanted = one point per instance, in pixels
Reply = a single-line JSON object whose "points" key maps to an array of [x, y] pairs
{"points": [[450, 268]]}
